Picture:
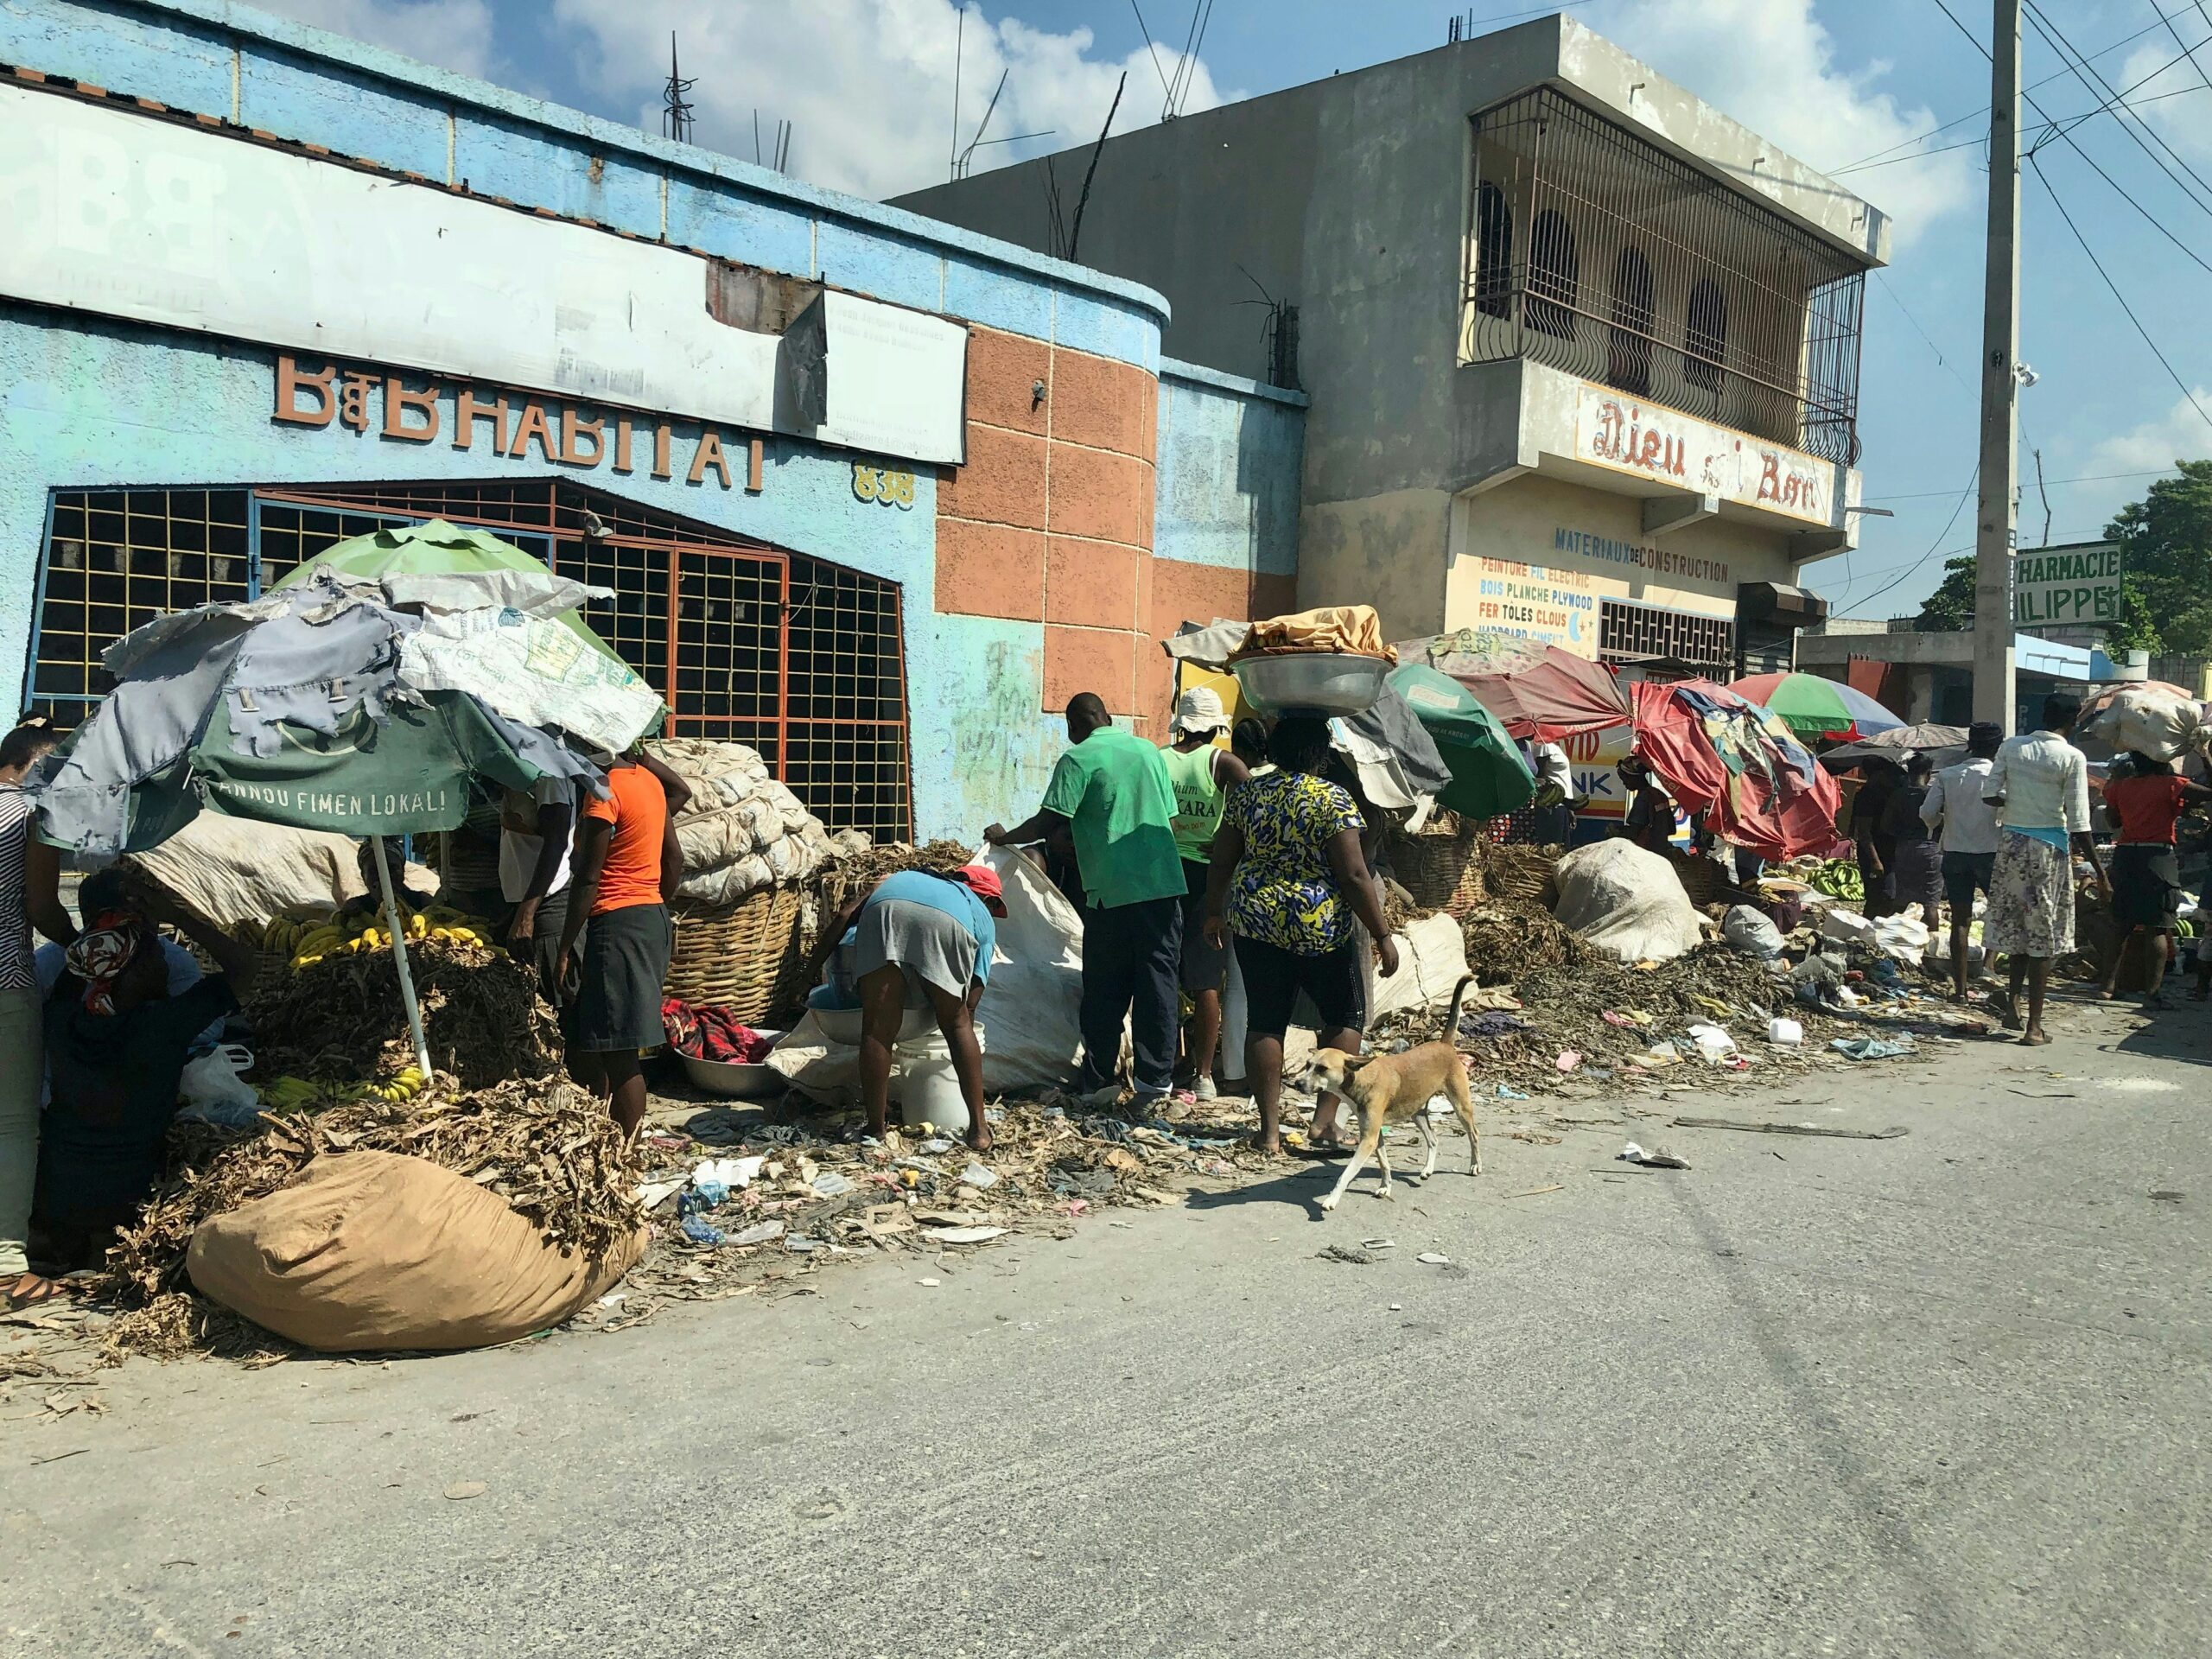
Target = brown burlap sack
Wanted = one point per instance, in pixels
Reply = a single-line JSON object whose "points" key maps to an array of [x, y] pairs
{"points": [[371, 1250]]}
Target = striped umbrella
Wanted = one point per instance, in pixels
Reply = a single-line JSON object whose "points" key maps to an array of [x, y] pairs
{"points": [[1814, 708]]}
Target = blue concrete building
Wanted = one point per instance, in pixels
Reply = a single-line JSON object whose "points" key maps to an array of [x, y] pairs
{"points": [[874, 494]]}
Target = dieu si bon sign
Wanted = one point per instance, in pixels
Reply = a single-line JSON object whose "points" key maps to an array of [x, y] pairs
{"points": [[1628, 435]]}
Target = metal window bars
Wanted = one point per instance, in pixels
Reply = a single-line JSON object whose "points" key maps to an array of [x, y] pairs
{"points": [[801, 659], [1593, 250], [1632, 633]]}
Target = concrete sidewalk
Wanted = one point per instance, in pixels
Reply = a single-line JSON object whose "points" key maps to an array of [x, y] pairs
{"points": [[1941, 1395]]}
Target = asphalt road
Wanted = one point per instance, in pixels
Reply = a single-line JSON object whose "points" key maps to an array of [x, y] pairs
{"points": [[1939, 1395]]}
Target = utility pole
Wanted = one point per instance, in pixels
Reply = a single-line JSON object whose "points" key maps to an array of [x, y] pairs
{"points": [[2000, 386]]}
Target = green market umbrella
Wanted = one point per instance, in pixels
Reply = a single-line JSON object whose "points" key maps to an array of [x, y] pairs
{"points": [[294, 709], [1489, 777]]}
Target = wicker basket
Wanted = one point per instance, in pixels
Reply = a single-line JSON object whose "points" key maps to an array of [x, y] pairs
{"points": [[1701, 878], [745, 957], [1441, 868], [1523, 873]]}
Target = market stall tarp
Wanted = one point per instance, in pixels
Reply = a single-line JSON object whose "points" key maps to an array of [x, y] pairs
{"points": [[294, 709], [1719, 754], [1813, 707], [1488, 775], [1534, 689]]}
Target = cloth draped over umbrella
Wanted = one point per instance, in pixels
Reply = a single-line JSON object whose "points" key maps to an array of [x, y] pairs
{"points": [[1488, 778], [314, 706], [1534, 689], [1813, 707], [1717, 753]]}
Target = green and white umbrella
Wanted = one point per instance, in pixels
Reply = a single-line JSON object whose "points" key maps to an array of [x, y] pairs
{"points": [[369, 706]]}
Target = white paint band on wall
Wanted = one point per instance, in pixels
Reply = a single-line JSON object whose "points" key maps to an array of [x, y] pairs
{"points": [[129, 216]]}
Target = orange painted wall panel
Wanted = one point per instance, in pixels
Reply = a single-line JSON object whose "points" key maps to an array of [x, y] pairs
{"points": [[990, 570], [1090, 659]]}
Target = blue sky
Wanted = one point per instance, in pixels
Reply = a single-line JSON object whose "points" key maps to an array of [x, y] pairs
{"points": [[868, 86]]}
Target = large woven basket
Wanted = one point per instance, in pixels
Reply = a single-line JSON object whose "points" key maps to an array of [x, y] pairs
{"points": [[1442, 868], [1701, 878], [1522, 872], [745, 957]]}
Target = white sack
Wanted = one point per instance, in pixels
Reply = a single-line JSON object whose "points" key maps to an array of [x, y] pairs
{"points": [[1031, 1033], [1626, 902], [238, 870], [2156, 721], [742, 829]]}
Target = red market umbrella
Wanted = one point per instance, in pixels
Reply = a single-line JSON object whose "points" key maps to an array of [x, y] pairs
{"points": [[1535, 691], [1720, 755]]}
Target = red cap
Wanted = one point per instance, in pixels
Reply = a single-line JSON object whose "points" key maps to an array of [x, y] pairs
{"points": [[984, 882]]}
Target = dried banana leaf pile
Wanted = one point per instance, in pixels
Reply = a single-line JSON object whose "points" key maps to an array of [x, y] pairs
{"points": [[340, 1020]]}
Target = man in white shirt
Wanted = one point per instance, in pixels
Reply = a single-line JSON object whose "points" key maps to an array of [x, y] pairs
{"points": [[536, 834], [2039, 784], [1955, 803]]}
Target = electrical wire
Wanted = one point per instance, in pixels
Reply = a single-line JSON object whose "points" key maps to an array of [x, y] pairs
{"points": [[2044, 27], [1956, 507], [2052, 192], [2086, 477], [1145, 31], [1976, 115], [2074, 144]]}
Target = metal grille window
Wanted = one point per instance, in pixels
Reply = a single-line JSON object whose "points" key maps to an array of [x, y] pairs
{"points": [[1639, 633], [801, 659], [1716, 305]]}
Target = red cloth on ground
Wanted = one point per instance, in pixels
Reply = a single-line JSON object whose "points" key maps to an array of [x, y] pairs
{"points": [[712, 1033]]}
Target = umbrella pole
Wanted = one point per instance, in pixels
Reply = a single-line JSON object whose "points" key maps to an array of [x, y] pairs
{"points": [[399, 955]]}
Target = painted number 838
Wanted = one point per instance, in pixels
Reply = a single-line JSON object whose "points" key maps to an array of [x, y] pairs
{"points": [[878, 483]]}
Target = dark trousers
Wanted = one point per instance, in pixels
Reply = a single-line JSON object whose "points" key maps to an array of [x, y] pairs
{"points": [[1132, 959]]}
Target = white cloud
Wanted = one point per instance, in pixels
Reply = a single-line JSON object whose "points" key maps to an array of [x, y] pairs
{"points": [[2180, 434], [1772, 64], [453, 35], [2164, 86], [866, 84]]}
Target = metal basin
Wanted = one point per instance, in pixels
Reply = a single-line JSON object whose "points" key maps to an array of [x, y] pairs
{"points": [[1329, 683]]}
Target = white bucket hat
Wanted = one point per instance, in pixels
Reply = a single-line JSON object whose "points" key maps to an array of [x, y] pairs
{"points": [[1199, 710]]}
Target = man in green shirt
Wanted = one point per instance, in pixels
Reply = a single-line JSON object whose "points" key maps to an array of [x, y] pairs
{"points": [[1111, 791]]}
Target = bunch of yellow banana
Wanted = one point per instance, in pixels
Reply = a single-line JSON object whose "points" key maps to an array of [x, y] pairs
{"points": [[404, 1085], [315, 942]]}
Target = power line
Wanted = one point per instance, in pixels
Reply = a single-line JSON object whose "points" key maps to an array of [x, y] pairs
{"points": [[2051, 191], [2086, 477], [2059, 43], [1956, 508], [2052, 129], [1155, 50], [2095, 166], [1976, 115]]}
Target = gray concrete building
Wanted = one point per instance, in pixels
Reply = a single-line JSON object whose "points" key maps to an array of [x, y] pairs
{"points": [[1583, 352]]}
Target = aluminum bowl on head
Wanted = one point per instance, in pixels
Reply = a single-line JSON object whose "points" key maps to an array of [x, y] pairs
{"points": [[1324, 683]]}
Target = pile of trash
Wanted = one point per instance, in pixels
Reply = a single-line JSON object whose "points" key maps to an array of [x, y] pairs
{"points": [[742, 829], [1607, 1022], [1506, 942], [741, 1204], [549, 1149], [339, 1019]]}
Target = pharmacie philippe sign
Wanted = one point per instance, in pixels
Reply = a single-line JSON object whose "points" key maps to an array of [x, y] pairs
{"points": [[513, 425], [2055, 587]]}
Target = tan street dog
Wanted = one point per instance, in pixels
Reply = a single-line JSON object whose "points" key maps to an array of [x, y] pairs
{"points": [[1397, 1089]]}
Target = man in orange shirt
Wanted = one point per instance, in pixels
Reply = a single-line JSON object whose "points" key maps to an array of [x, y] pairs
{"points": [[615, 882]]}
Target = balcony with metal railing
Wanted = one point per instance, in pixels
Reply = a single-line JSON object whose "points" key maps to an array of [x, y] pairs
{"points": [[1596, 253]]}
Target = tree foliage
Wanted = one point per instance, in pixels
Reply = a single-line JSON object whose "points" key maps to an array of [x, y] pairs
{"points": [[1950, 609], [2165, 549]]}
